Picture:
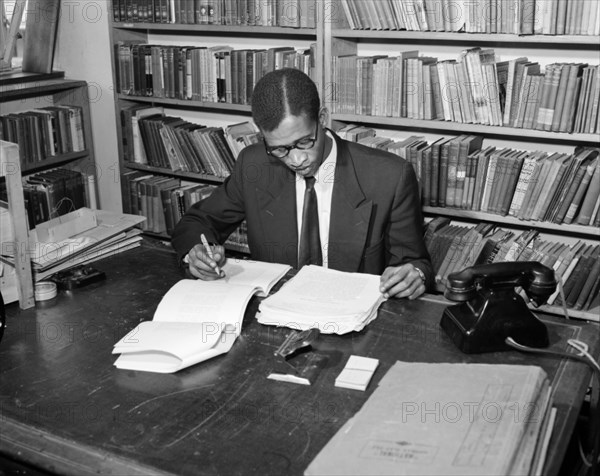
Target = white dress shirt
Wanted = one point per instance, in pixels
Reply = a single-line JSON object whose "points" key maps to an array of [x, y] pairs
{"points": [[324, 190]]}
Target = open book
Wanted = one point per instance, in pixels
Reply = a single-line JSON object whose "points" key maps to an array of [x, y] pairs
{"points": [[196, 320]]}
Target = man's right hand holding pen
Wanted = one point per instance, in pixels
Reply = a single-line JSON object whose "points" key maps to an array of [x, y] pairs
{"points": [[205, 261]]}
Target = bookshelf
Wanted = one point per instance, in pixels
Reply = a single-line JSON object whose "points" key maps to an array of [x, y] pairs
{"points": [[24, 96], [19, 95], [70, 150], [277, 24], [375, 39], [333, 37]]}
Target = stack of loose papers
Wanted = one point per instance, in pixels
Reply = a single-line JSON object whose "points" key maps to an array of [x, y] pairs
{"points": [[445, 419], [114, 233], [335, 302]]}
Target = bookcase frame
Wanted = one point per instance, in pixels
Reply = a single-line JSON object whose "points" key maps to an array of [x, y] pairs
{"points": [[339, 39], [136, 31], [54, 91], [334, 37], [10, 170]]}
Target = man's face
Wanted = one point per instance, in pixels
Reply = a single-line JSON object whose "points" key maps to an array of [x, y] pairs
{"points": [[298, 132]]}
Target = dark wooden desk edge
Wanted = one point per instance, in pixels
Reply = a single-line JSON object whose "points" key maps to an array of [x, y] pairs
{"points": [[52, 453]]}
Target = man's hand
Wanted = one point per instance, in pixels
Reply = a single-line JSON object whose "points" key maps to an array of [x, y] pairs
{"points": [[402, 281], [202, 266]]}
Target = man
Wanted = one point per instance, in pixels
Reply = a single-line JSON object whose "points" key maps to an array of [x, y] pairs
{"points": [[367, 213]]}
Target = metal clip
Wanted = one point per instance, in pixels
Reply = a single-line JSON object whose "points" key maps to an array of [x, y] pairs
{"points": [[295, 342]]}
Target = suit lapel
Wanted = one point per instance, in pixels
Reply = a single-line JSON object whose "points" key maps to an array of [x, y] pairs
{"points": [[350, 214], [277, 205]]}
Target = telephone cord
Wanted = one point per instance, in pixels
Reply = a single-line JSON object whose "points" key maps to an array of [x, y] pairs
{"points": [[587, 359]]}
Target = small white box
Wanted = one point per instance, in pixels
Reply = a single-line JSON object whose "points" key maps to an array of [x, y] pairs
{"points": [[357, 373]]}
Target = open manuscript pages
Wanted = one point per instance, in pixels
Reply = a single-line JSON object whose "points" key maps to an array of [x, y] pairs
{"points": [[335, 302], [196, 320]]}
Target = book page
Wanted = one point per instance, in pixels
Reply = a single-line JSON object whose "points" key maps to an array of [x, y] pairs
{"points": [[317, 290], [188, 337], [216, 302], [254, 273], [166, 347]]}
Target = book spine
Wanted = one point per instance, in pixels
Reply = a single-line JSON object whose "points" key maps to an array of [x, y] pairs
{"points": [[591, 198], [581, 190]]}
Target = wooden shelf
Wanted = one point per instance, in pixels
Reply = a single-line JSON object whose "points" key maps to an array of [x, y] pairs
{"points": [[221, 106], [55, 161], [171, 173], [226, 30], [19, 77], [457, 213], [229, 246], [16, 91], [511, 40], [529, 135]]}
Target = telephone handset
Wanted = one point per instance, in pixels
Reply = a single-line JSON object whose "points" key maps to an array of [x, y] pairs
{"points": [[491, 310]]}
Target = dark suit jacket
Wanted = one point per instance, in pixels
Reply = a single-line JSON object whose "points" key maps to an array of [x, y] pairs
{"points": [[375, 211]]}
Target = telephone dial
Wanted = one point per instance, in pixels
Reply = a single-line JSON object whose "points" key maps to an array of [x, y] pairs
{"points": [[490, 308]]}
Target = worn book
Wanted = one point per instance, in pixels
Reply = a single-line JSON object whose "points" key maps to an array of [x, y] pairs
{"points": [[588, 204], [197, 320], [439, 418]]}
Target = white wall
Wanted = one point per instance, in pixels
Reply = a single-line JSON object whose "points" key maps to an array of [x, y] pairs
{"points": [[83, 52]]}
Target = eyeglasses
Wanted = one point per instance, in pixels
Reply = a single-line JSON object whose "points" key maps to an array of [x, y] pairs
{"points": [[282, 151]]}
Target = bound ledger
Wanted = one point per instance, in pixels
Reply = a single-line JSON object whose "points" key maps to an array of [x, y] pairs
{"points": [[445, 419], [196, 320]]}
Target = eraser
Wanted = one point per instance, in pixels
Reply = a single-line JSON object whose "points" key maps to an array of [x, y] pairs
{"points": [[357, 373]]}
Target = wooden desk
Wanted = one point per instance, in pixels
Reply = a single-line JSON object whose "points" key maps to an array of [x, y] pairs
{"points": [[66, 408]]}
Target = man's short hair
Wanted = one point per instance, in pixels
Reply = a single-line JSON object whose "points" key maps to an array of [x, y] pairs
{"points": [[281, 93]]}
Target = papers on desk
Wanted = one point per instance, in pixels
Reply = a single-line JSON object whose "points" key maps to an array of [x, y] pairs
{"points": [[113, 234], [196, 320], [445, 419], [335, 302]]}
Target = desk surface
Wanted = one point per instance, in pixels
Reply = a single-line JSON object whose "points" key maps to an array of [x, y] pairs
{"points": [[66, 408]]}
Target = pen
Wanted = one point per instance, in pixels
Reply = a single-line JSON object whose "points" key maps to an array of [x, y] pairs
{"points": [[209, 252]]}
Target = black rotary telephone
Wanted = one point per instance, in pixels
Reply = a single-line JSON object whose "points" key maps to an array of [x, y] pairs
{"points": [[491, 310]]}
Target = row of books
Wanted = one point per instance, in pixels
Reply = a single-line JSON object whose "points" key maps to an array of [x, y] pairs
{"points": [[164, 200], [209, 74], [455, 247], [283, 13], [518, 17], [53, 193], [474, 88], [150, 137], [45, 132], [459, 172]]}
